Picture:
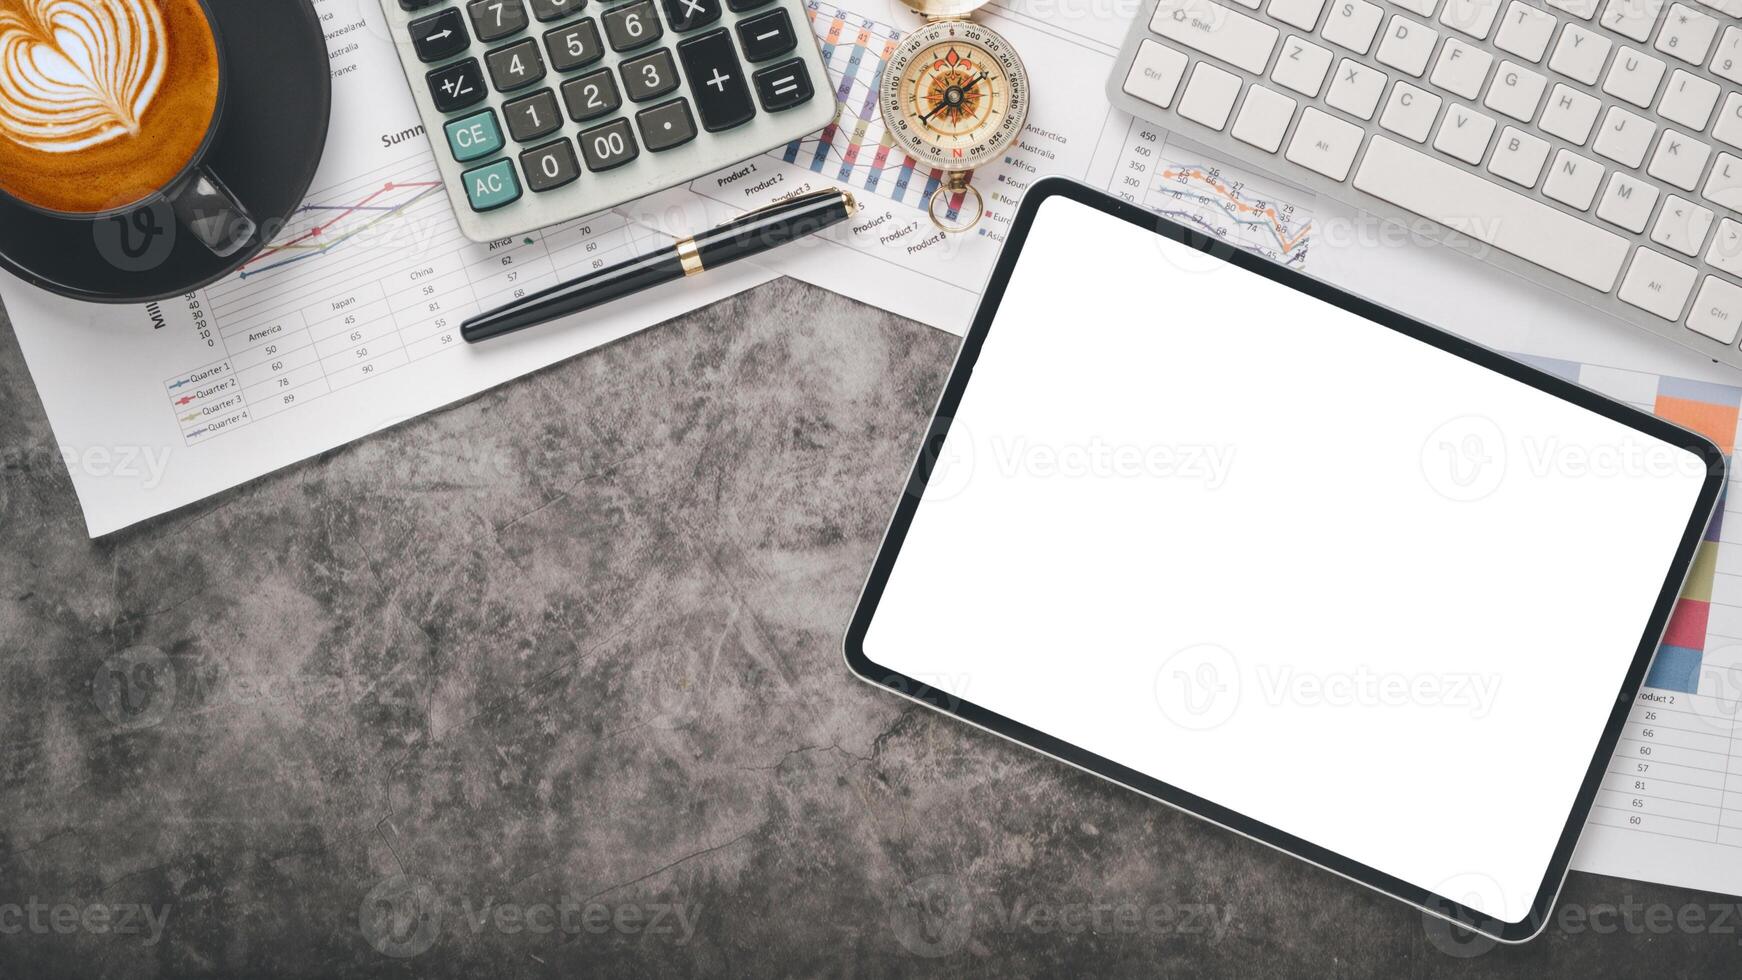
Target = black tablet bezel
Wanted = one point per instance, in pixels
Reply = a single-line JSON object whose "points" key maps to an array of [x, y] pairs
{"points": [[1443, 906]]}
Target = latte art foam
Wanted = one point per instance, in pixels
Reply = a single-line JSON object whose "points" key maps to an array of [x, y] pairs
{"points": [[78, 73]]}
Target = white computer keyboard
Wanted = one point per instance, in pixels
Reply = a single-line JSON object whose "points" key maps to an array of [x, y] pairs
{"points": [[1600, 140]]}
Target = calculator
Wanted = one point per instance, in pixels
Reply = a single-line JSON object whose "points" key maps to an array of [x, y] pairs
{"points": [[545, 110]]}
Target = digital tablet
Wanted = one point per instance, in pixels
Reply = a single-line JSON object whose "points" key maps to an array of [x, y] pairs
{"points": [[1284, 559]]}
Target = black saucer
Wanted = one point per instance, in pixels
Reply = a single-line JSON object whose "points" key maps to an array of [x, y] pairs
{"points": [[268, 145]]}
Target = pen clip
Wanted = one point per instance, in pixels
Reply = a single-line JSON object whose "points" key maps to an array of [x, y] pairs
{"points": [[845, 195]]}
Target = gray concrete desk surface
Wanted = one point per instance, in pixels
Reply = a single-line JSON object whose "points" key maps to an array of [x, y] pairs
{"points": [[549, 683]]}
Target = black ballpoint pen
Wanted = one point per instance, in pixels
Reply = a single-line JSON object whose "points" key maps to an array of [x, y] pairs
{"points": [[752, 234]]}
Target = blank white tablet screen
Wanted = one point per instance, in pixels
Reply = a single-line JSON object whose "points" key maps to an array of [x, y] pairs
{"points": [[1285, 559]]}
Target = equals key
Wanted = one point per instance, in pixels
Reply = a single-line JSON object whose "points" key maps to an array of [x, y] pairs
{"points": [[784, 85]]}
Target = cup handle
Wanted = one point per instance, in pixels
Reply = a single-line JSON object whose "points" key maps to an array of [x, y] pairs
{"points": [[207, 208]]}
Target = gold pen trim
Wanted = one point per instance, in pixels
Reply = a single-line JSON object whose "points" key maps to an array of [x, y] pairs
{"points": [[689, 256]]}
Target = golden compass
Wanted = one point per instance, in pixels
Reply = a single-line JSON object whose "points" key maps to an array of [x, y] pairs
{"points": [[954, 96]]}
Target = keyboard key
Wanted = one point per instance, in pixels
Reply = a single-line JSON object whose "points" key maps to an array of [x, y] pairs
{"points": [[780, 87], [1324, 144], [493, 20], [1518, 157], [1725, 251], [610, 145], [739, 6], [550, 166], [1209, 95], [549, 10], [1525, 31], [457, 86], [1627, 202], [1410, 112], [632, 25], [1729, 127], [1407, 46], [1155, 73], [1217, 31], [1302, 66], [687, 15], [1658, 284], [1515, 91], [532, 116], [439, 37], [1634, 77], [1462, 68], [1631, 18], [1580, 54], [515, 66], [413, 5], [1724, 186], [474, 137], [1573, 180], [1727, 63], [1356, 89], [1688, 99], [1464, 134], [592, 95], [1624, 137], [1687, 34], [716, 80], [1570, 114], [1303, 14], [491, 186], [574, 46], [1352, 24], [1682, 226], [666, 125], [1679, 160], [1473, 17], [766, 36], [1488, 212], [1717, 311], [1264, 118], [649, 76]]}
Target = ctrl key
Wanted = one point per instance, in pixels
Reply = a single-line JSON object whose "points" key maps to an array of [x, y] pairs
{"points": [[492, 186], [1155, 73], [1717, 310]]}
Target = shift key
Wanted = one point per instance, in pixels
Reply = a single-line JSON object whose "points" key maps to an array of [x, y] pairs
{"points": [[1217, 31]]}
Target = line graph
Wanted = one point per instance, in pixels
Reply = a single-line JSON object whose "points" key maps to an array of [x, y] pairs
{"points": [[315, 240], [1241, 209]]}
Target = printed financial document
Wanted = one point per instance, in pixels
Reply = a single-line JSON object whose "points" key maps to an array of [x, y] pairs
{"points": [[348, 323]]}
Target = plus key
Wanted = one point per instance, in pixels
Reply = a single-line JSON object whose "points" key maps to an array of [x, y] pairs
{"points": [[717, 80]]}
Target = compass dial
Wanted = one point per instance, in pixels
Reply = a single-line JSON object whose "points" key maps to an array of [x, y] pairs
{"points": [[954, 95]]}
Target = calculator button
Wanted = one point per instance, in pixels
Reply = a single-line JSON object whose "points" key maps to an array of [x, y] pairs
{"points": [[532, 116], [440, 36], [474, 137], [632, 25], [516, 66], [493, 20], [490, 187], [666, 125], [649, 76], [549, 10], [574, 46], [550, 166], [717, 80], [610, 145], [687, 15], [739, 6], [457, 86], [767, 36], [783, 86], [416, 4], [592, 95]]}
